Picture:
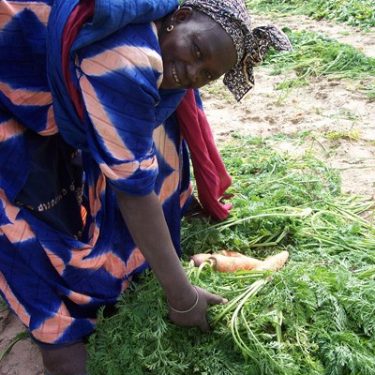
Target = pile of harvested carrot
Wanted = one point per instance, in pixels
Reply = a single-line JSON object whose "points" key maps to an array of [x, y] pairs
{"points": [[231, 261]]}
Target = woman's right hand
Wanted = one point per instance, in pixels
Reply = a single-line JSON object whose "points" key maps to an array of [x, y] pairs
{"points": [[195, 315], [145, 220]]}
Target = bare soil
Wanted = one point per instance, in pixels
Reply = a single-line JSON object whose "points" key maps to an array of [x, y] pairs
{"points": [[339, 119]]}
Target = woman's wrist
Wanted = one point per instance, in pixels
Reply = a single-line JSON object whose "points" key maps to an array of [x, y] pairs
{"points": [[182, 298], [187, 310]]}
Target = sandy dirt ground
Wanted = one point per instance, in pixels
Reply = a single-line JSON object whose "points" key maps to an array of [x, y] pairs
{"points": [[325, 109], [326, 105]]}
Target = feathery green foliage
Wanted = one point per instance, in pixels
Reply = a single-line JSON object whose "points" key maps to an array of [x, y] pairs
{"points": [[314, 55], [353, 12], [314, 317]]}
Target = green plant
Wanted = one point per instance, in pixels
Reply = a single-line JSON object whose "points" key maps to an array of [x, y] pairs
{"points": [[334, 135], [314, 55], [353, 12], [314, 317]]}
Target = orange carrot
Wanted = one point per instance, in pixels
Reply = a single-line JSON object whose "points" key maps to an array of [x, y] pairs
{"points": [[274, 262], [230, 253], [224, 263], [231, 261], [198, 259]]}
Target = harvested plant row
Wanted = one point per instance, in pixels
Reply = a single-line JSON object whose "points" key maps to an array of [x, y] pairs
{"points": [[315, 55], [316, 316], [359, 13]]}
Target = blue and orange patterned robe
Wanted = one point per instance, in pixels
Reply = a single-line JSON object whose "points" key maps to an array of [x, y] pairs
{"points": [[55, 272]]}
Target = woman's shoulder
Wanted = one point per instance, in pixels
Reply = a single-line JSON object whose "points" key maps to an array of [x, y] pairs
{"points": [[133, 46], [130, 54]]}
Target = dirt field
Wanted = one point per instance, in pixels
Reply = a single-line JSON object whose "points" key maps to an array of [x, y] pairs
{"points": [[324, 106]]}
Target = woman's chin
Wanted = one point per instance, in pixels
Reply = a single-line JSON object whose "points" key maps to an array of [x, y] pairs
{"points": [[169, 85]]}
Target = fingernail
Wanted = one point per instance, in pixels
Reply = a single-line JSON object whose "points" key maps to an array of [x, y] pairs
{"points": [[224, 301]]}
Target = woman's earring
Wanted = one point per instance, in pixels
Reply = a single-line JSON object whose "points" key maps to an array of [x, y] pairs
{"points": [[170, 28]]}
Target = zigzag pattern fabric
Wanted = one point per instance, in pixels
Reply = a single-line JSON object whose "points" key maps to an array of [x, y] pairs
{"points": [[52, 278]]}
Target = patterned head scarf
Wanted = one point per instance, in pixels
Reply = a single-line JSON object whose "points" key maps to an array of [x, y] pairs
{"points": [[251, 45]]}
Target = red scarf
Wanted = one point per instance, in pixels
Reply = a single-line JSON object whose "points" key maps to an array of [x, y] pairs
{"points": [[209, 170]]}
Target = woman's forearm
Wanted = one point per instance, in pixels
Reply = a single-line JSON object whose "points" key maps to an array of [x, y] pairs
{"points": [[145, 220]]}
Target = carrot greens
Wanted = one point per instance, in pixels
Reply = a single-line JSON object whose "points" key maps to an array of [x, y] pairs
{"points": [[315, 55], [314, 317], [359, 13]]}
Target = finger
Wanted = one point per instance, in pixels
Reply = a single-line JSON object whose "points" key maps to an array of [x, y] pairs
{"points": [[200, 258], [214, 299]]}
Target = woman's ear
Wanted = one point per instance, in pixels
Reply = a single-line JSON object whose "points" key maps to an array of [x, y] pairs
{"points": [[182, 14]]}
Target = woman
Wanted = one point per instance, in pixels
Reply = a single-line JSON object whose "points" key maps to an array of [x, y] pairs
{"points": [[105, 79]]}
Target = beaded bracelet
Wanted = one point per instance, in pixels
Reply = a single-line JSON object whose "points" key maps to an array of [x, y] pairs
{"points": [[188, 310]]}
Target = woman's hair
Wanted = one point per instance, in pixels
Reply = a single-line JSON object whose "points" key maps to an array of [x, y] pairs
{"points": [[251, 45]]}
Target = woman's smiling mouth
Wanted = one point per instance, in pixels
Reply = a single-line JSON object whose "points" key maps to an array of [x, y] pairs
{"points": [[175, 76]]}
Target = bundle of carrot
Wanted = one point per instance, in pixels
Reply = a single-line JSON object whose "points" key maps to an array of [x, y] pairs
{"points": [[231, 261], [315, 316]]}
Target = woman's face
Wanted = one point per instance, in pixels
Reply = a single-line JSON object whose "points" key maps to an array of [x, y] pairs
{"points": [[195, 52]]}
